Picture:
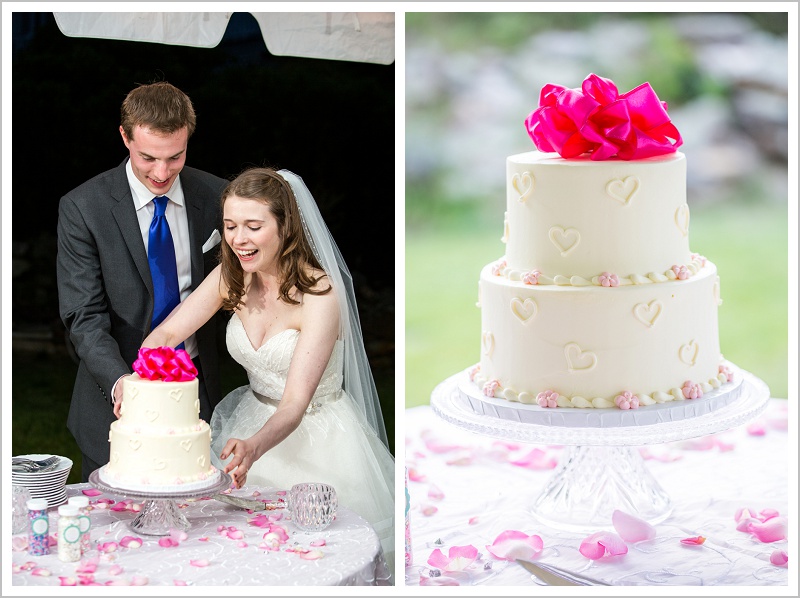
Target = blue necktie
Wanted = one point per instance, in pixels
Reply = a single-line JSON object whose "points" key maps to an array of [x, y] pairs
{"points": [[163, 269]]}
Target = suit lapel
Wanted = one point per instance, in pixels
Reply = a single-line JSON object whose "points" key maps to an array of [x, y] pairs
{"points": [[194, 215], [124, 214]]}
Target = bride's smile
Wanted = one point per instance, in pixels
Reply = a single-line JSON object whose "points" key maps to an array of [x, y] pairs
{"points": [[252, 232]]}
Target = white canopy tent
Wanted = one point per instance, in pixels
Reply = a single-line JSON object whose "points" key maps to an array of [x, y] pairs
{"points": [[350, 36]]}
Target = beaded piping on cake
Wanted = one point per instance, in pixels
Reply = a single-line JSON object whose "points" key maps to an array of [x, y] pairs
{"points": [[535, 277], [550, 398]]}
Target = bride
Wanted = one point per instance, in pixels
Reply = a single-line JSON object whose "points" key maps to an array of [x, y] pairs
{"points": [[311, 411]]}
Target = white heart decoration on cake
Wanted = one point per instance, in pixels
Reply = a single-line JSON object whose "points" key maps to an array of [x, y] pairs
{"points": [[524, 310], [523, 185], [688, 352], [151, 414], [176, 394], [565, 239], [504, 238], [132, 391], [159, 463], [682, 219], [647, 313], [487, 340], [115, 457], [186, 444], [197, 405], [201, 461], [579, 360], [623, 190], [135, 444], [717, 292]]}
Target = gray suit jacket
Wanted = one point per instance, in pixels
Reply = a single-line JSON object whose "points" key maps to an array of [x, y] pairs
{"points": [[106, 294]]}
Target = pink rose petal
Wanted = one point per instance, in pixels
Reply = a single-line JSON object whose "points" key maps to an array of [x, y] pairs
{"points": [[67, 581], [131, 542], [41, 572], [696, 541], [428, 510], [536, 459], [434, 493], [474, 520], [442, 580], [415, 476], [458, 559], [115, 570], [179, 582], [311, 555], [87, 565], [630, 528], [91, 492], [19, 543], [107, 547], [779, 558], [772, 530], [512, 545], [601, 544], [139, 580], [317, 543], [756, 429], [199, 563]]}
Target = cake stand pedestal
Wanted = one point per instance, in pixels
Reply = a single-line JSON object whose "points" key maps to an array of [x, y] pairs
{"points": [[601, 469], [160, 513]]}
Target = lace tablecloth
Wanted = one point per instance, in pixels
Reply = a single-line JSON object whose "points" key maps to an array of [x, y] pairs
{"points": [[225, 545], [466, 490]]}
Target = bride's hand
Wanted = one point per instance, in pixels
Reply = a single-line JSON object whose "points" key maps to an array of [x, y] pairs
{"points": [[242, 461]]}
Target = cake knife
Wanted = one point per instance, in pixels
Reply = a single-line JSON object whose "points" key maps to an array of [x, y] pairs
{"points": [[250, 504], [553, 576]]}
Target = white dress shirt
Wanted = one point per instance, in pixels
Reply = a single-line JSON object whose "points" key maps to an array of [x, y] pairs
{"points": [[178, 226]]}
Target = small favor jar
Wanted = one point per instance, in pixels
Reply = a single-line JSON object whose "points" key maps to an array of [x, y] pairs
{"points": [[82, 503], [38, 527], [69, 534]]}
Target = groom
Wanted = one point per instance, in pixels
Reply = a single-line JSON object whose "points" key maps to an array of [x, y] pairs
{"points": [[117, 278]]}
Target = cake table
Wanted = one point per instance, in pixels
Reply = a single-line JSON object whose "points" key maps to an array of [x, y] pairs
{"points": [[601, 469]]}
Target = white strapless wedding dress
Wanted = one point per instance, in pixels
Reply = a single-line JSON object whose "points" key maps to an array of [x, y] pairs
{"points": [[333, 443]]}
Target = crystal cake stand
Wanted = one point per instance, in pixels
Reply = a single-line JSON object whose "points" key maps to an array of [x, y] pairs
{"points": [[601, 469], [160, 513]]}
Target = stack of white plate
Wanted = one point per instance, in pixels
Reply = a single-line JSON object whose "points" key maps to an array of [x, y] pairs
{"points": [[50, 485]]}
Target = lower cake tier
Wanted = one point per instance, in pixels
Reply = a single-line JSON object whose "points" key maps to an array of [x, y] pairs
{"points": [[152, 457], [597, 346]]}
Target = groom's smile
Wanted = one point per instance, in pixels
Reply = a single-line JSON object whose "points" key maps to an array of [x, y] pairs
{"points": [[157, 158]]}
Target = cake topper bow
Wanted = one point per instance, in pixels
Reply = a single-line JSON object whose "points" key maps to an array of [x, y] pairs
{"points": [[165, 363], [597, 119]]}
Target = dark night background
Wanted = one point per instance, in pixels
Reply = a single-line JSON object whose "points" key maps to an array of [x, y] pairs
{"points": [[331, 122]]}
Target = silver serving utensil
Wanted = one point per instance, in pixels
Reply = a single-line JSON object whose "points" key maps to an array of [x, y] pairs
{"points": [[250, 504], [30, 465], [554, 576]]}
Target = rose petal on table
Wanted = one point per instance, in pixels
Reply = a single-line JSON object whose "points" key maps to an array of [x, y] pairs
{"points": [[91, 492], [199, 563], [512, 545], [179, 582], [19, 543], [41, 572], [167, 542], [107, 546], [415, 476], [437, 447], [67, 581], [435, 493], [462, 461], [766, 514], [779, 558], [131, 542], [259, 521], [115, 570], [428, 510], [86, 579], [536, 459], [458, 559], [87, 565], [772, 530], [241, 544], [311, 555], [235, 534], [601, 544], [696, 541], [317, 543], [631, 528], [756, 428], [139, 580], [474, 520]]}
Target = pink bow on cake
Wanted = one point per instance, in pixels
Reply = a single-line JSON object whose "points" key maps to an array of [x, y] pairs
{"points": [[596, 119], [165, 363]]}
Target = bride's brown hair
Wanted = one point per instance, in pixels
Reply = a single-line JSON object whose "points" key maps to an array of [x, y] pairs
{"points": [[295, 257]]}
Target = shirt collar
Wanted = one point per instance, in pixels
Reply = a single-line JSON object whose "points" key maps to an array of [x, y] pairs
{"points": [[142, 196]]}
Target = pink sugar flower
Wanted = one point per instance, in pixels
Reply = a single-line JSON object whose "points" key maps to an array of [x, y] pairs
{"points": [[627, 400], [547, 398], [490, 387], [692, 390], [531, 277], [458, 558], [630, 528], [602, 544], [608, 280], [474, 372], [512, 545], [681, 272], [726, 371], [697, 256], [498, 267]]}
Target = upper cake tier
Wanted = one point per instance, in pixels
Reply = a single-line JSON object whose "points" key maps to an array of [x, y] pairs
{"points": [[578, 221]]}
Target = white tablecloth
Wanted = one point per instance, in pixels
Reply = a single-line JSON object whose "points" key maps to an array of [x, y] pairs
{"points": [[465, 490], [213, 553]]}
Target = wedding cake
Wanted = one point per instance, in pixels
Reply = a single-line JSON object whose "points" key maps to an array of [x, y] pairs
{"points": [[598, 301], [159, 443]]}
